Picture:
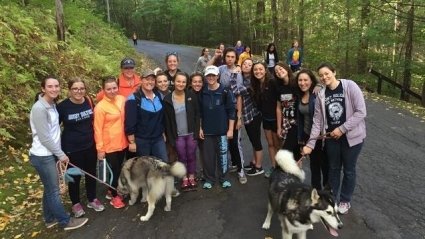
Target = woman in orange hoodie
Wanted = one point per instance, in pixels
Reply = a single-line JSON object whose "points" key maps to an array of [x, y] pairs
{"points": [[111, 142]]}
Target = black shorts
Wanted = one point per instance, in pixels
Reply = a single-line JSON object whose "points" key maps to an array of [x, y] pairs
{"points": [[270, 125]]}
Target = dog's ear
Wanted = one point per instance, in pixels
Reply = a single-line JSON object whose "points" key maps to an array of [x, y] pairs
{"points": [[314, 197]]}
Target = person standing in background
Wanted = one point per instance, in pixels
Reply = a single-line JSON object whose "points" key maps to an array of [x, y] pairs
{"points": [[295, 56], [45, 151], [246, 54], [203, 60], [218, 58], [128, 80], [239, 48], [271, 57], [76, 115], [134, 38]]}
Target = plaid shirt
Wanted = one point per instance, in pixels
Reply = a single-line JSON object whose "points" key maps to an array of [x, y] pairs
{"points": [[249, 110]]}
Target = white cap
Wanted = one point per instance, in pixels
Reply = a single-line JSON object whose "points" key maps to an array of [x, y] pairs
{"points": [[211, 70]]}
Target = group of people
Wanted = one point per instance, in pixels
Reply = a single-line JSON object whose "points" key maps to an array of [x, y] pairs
{"points": [[169, 114]]}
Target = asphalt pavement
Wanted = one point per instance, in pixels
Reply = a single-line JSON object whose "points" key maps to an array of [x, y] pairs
{"points": [[388, 201]]}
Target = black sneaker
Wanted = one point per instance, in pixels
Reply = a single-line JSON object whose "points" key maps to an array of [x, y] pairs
{"points": [[255, 171], [249, 166]]}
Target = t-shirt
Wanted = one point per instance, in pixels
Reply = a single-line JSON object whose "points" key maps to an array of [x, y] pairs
{"points": [[181, 118], [77, 120], [295, 57], [335, 107], [287, 98]]}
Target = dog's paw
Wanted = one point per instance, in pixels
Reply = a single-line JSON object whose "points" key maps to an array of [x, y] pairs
{"points": [[266, 225], [167, 209], [144, 218], [143, 200], [131, 202]]}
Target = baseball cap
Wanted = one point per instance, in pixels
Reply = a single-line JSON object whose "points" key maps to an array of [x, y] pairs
{"points": [[211, 70], [148, 72], [127, 62]]}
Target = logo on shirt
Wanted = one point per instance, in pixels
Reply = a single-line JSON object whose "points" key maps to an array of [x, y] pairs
{"points": [[335, 111]]}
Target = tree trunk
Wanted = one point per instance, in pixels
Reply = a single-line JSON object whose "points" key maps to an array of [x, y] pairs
{"points": [[60, 27], [259, 33], [301, 28], [285, 20], [232, 26], [362, 58], [407, 73], [274, 22], [238, 19], [108, 11], [347, 46]]}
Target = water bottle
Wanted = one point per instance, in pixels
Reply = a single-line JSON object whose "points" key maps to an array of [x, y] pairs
{"points": [[102, 170]]}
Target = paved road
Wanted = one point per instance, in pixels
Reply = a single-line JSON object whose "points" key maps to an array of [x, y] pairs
{"points": [[388, 201]]}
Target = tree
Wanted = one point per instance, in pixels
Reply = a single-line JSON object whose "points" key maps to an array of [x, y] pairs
{"points": [[407, 73], [60, 25]]}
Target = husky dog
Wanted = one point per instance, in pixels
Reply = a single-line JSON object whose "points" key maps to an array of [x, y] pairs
{"points": [[298, 205], [155, 177]]}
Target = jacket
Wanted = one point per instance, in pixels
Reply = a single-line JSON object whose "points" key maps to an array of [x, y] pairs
{"points": [[300, 117], [109, 125], [124, 88], [355, 112], [192, 114]]}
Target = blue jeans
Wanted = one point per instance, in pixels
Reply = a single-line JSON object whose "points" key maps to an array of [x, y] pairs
{"points": [[342, 156], [52, 205], [152, 147]]}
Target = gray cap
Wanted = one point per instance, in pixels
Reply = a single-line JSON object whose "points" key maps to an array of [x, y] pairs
{"points": [[128, 62], [148, 72]]}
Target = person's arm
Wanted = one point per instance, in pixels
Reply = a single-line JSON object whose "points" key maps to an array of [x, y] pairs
{"points": [[279, 119], [99, 122], [358, 105], [40, 123], [231, 113], [130, 121], [239, 112], [216, 56]]}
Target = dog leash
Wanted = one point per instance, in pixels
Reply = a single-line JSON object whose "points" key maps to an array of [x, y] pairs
{"points": [[62, 167], [322, 136]]}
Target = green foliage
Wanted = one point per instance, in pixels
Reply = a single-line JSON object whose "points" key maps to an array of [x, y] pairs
{"points": [[29, 51]]}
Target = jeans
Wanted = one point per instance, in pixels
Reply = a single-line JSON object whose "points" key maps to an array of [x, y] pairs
{"points": [[152, 147], [52, 205], [186, 151], [342, 156]]}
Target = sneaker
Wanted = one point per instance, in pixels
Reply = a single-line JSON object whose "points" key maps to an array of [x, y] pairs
{"points": [[343, 207], [242, 178], [233, 168], [108, 195], [268, 172], [78, 210], [96, 205], [51, 224], [255, 171], [226, 184], [75, 223], [192, 182], [249, 166], [117, 202], [185, 184], [207, 185]]}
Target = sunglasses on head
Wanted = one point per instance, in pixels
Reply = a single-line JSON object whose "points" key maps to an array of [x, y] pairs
{"points": [[171, 54], [128, 68]]}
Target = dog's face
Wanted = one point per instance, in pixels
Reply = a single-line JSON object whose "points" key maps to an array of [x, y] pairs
{"points": [[123, 187], [325, 210]]}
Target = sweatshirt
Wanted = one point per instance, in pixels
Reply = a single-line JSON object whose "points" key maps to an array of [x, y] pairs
{"points": [[354, 127], [124, 88]]}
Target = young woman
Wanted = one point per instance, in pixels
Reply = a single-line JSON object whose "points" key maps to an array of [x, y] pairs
{"points": [[295, 56], [172, 63], [182, 126], [203, 60], [340, 111], [217, 122], [286, 108], [246, 54], [144, 120], [162, 84], [45, 151], [264, 96], [76, 115], [111, 143], [271, 57], [196, 82], [251, 116], [318, 161]]}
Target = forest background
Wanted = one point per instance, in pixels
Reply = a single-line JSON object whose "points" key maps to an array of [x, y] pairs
{"points": [[388, 36]]}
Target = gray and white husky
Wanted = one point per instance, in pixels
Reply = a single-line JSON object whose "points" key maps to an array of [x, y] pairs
{"points": [[298, 205], [155, 177]]}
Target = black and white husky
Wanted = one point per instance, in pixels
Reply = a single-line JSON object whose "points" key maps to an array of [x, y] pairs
{"points": [[297, 204], [153, 176]]}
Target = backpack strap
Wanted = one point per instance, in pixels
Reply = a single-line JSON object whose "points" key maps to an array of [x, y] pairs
{"points": [[89, 99]]}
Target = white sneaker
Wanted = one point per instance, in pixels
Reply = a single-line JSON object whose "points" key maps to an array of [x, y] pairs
{"points": [[343, 207], [242, 178]]}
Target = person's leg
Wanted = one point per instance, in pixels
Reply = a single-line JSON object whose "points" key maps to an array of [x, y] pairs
{"points": [[143, 147], [234, 148], [90, 158], [291, 142], [253, 130], [221, 148], [181, 150], [209, 158], [333, 153], [52, 204], [271, 147], [159, 149], [349, 156], [115, 160], [315, 167], [191, 145], [77, 159]]}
